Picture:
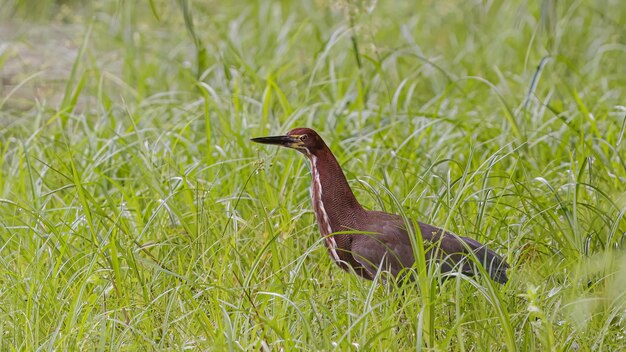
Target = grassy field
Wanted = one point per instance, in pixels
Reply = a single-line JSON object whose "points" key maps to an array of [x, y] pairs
{"points": [[136, 215]]}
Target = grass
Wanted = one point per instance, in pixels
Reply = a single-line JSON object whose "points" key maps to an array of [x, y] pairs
{"points": [[136, 215]]}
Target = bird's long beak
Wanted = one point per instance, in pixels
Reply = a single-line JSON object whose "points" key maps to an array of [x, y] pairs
{"points": [[283, 141]]}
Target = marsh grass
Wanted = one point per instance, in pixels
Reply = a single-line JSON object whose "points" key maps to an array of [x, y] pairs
{"points": [[135, 213]]}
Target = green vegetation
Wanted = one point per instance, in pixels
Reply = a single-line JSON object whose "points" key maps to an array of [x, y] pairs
{"points": [[136, 215]]}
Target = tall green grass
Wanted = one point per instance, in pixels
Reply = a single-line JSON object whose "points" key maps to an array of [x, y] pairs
{"points": [[136, 214]]}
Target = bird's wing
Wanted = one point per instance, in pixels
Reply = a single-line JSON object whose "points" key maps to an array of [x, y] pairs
{"points": [[383, 243], [495, 265], [387, 242], [453, 251]]}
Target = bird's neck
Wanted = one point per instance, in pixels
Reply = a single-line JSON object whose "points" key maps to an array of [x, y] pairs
{"points": [[336, 208]]}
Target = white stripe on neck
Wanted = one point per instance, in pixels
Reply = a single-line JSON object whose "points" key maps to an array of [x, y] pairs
{"points": [[323, 222]]}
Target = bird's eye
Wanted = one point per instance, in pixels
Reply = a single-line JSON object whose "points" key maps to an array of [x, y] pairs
{"points": [[303, 137]]}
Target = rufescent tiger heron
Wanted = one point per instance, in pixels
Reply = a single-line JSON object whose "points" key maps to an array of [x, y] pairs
{"points": [[384, 242]]}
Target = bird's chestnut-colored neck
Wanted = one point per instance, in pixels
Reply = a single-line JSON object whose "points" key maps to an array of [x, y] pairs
{"points": [[340, 204]]}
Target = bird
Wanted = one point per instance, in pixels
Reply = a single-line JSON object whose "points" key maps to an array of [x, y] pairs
{"points": [[367, 241]]}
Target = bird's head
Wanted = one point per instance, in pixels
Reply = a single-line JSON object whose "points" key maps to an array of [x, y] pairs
{"points": [[304, 140]]}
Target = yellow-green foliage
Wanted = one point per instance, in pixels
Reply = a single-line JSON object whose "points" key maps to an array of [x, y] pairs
{"points": [[136, 215]]}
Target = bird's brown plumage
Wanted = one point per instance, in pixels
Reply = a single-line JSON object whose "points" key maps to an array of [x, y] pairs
{"points": [[375, 239]]}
